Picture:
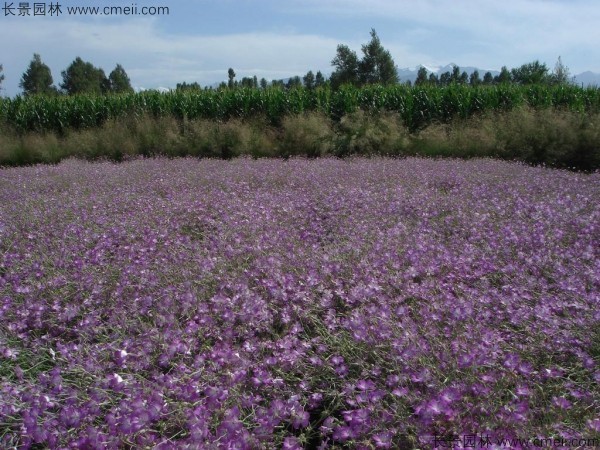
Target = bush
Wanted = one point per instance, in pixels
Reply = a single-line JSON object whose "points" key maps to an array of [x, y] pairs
{"points": [[371, 134], [307, 134]]}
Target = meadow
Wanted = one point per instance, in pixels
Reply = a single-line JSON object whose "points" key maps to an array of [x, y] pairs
{"points": [[325, 303]]}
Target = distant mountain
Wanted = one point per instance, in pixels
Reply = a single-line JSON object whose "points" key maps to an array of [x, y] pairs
{"points": [[587, 79]]}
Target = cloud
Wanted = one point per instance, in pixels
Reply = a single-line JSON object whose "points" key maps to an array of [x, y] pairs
{"points": [[491, 32], [288, 38], [153, 57]]}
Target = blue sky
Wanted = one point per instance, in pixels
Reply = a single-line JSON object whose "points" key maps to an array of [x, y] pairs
{"points": [[200, 40]]}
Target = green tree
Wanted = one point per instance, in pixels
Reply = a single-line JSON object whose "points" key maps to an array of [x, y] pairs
{"points": [[455, 76], [488, 78], [445, 78], [188, 86], [309, 80], [561, 73], [247, 82], [421, 77], [474, 79], [433, 79], [37, 79], [230, 78], [82, 77], [1, 76], [119, 81], [530, 73], [294, 82], [346, 67], [377, 65], [319, 79], [263, 83], [504, 76]]}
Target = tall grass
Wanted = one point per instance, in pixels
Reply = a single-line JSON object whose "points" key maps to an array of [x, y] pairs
{"points": [[416, 106], [551, 136]]}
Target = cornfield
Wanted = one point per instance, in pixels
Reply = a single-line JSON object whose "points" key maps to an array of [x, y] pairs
{"points": [[417, 106]]}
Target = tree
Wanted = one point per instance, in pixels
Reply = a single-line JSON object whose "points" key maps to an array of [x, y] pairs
{"points": [[346, 67], [247, 82], [530, 73], [455, 77], [474, 79], [445, 78], [377, 65], [82, 77], [319, 79], [561, 73], [1, 76], [421, 77], [119, 81], [263, 83], [230, 78], [488, 78], [433, 79], [294, 82], [504, 76], [309, 80], [37, 79], [188, 86]]}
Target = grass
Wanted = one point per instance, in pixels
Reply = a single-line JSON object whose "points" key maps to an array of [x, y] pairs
{"points": [[554, 137]]}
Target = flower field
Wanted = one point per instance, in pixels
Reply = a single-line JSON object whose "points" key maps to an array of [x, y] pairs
{"points": [[259, 304]]}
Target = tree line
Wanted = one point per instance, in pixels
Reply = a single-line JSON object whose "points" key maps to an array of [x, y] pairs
{"points": [[80, 77], [376, 66]]}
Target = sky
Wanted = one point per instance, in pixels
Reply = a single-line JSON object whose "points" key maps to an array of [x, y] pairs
{"points": [[197, 41]]}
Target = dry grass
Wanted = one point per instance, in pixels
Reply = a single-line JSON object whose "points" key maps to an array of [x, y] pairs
{"points": [[548, 136]]}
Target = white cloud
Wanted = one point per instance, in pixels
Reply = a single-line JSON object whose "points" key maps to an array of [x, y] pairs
{"points": [[485, 32], [481, 33], [154, 58]]}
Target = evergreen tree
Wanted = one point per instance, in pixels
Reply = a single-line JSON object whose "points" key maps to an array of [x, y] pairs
{"points": [[309, 80], [421, 77], [247, 82], [119, 81], [263, 83], [294, 82], [319, 79], [188, 86], [445, 78], [504, 76], [474, 79], [37, 79], [455, 76], [433, 79], [488, 78]]}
